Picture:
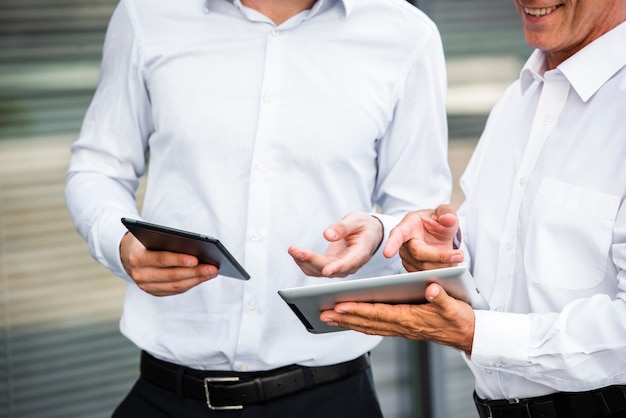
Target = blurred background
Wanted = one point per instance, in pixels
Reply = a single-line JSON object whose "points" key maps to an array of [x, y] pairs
{"points": [[61, 354]]}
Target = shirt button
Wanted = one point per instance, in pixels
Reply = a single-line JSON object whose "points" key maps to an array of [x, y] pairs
{"points": [[267, 98], [275, 32], [497, 364], [262, 167], [547, 121], [243, 367], [256, 237], [252, 305], [522, 181], [508, 246]]}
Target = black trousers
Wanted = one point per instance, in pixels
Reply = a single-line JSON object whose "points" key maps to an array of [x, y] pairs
{"points": [[347, 398]]}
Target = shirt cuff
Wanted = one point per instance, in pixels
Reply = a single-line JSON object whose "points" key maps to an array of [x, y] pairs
{"points": [[105, 245], [379, 263], [501, 340]]}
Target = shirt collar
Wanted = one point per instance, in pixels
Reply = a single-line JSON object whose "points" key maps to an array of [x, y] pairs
{"points": [[348, 5], [587, 70]]}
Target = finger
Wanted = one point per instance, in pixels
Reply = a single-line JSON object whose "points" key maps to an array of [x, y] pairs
{"points": [[355, 323], [380, 312], [171, 288], [439, 298], [397, 237], [373, 319], [174, 274], [446, 211], [352, 223], [301, 255], [340, 268], [348, 261], [170, 259], [169, 281], [311, 263], [448, 220], [141, 258], [407, 228], [336, 232], [414, 252]]}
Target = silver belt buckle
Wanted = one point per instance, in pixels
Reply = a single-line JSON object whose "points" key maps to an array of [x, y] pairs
{"points": [[489, 411], [208, 380]]}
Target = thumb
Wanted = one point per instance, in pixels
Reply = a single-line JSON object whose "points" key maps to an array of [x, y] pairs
{"points": [[335, 232], [435, 294]]}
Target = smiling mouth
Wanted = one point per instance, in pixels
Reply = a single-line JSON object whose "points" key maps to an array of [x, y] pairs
{"points": [[541, 11]]}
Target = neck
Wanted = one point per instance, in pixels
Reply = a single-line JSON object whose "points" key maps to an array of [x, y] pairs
{"points": [[279, 10]]}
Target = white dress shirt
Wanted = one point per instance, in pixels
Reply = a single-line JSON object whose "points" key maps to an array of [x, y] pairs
{"points": [[262, 136], [545, 222]]}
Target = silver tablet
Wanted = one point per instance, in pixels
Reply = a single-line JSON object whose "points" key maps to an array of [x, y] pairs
{"points": [[308, 302]]}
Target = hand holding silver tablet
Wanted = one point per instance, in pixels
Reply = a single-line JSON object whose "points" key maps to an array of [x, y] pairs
{"points": [[308, 302], [208, 250]]}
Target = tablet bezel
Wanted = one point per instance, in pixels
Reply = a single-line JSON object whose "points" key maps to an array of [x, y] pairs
{"points": [[208, 249], [308, 302]]}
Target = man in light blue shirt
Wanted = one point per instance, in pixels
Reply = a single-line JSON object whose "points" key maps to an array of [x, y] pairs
{"points": [[295, 132]]}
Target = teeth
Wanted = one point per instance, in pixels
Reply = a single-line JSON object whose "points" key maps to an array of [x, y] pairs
{"points": [[540, 12]]}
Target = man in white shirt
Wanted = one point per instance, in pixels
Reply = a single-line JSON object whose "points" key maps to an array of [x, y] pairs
{"points": [[543, 230], [265, 122]]}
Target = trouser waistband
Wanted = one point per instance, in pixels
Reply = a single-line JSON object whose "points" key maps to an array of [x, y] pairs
{"points": [[233, 390], [605, 402]]}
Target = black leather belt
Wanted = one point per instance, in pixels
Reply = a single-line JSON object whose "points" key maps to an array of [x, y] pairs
{"points": [[606, 402], [234, 390]]}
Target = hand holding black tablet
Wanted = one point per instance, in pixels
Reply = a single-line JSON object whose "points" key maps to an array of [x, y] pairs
{"points": [[207, 249], [308, 302]]}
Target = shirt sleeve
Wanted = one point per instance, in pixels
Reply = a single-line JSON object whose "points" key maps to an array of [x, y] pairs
{"points": [[413, 153], [580, 348], [109, 156]]}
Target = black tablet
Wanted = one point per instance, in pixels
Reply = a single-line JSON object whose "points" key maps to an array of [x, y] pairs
{"points": [[207, 249], [307, 302]]}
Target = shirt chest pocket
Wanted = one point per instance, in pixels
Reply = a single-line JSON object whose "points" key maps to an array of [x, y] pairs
{"points": [[570, 232]]}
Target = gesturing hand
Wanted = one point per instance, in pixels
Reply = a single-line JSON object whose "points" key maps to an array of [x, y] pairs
{"points": [[424, 239], [353, 241]]}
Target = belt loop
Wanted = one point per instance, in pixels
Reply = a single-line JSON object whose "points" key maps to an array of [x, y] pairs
{"points": [[259, 388]]}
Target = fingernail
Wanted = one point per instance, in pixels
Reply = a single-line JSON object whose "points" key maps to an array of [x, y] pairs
{"points": [[433, 294]]}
